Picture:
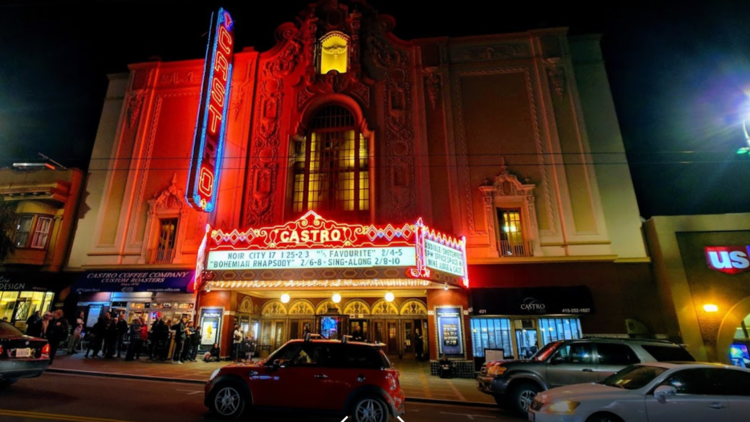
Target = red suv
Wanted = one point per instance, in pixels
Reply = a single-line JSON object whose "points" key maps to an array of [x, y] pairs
{"points": [[340, 378]]}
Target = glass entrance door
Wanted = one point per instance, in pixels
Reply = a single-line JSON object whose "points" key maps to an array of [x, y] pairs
{"points": [[526, 343]]}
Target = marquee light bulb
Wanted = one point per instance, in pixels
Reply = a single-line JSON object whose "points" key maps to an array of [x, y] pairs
{"points": [[285, 298], [389, 297], [336, 298]]}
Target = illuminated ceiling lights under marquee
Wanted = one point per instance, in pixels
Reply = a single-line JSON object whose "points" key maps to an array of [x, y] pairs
{"points": [[313, 252], [208, 142]]}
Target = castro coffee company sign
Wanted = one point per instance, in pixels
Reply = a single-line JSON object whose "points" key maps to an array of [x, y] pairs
{"points": [[728, 259]]}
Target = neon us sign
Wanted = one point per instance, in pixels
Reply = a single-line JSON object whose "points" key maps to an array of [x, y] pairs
{"points": [[212, 111], [728, 259]]}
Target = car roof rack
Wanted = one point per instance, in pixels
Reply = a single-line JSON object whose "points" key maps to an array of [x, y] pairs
{"points": [[311, 336]]}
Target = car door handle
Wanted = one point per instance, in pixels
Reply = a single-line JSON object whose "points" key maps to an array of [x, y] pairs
{"points": [[587, 370], [716, 406], [361, 378], [253, 373], [320, 376]]}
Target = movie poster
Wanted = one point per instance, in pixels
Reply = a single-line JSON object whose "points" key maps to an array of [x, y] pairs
{"points": [[210, 326], [450, 333]]}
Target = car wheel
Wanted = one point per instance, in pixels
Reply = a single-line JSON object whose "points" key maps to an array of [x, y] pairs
{"points": [[369, 409], [603, 417], [523, 395], [228, 401]]}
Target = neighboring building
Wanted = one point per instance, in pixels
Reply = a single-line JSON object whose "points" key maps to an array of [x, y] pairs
{"points": [[47, 206], [508, 140], [701, 265]]}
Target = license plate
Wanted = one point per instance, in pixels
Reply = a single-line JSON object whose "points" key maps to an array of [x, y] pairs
{"points": [[23, 353], [531, 416]]}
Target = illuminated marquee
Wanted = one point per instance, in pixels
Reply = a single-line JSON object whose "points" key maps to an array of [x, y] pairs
{"points": [[312, 243], [212, 111]]}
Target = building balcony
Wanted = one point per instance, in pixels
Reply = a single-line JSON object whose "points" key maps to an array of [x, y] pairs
{"points": [[515, 249], [160, 256]]}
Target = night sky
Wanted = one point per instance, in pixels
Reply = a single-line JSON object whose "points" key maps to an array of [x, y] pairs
{"points": [[680, 75]]}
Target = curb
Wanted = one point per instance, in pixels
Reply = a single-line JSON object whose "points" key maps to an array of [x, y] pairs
{"points": [[198, 382]]}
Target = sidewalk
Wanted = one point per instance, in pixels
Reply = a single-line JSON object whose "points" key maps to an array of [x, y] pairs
{"points": [[416, 380]]}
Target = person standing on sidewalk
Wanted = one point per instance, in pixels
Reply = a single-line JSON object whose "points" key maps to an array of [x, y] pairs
{"points": [[75, 336], [110, 338], [57, 331], [180, 334], [236, 343], [188, 344], [122, 332], [95, 337], [134, 337], [34, 325], [143, 339], [195, 342]]}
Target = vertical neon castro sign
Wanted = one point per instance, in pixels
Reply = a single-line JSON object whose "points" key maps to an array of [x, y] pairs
{"points": [[212, 112]]}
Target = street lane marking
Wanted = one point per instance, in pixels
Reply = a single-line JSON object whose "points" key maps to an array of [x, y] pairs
{"points": [[425, 387], [54, 417], [399, 418], [469, 416], [455, 390], [345, 418]]}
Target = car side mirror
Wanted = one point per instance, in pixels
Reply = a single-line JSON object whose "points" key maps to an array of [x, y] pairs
{"points": [[557, 360], [276, 364], [663, 391]]}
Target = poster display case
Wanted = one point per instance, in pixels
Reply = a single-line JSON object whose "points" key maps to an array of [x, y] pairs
{"points": [[210, 325], [449, 331]]}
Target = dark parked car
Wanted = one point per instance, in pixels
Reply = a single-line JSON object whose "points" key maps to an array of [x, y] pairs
{"points": [[21, 356], [333, 377], [514, 384]]}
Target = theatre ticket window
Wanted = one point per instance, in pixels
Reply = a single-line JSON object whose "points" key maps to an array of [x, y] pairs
{"points": [[491, 333], [331, 167], [552, 329]]}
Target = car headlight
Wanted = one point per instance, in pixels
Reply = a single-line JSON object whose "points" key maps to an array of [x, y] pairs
{"points": [[565, 406], [496, 370], [214, 374]]}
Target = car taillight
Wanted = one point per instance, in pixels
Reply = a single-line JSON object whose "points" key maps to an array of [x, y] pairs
{"points": [[45, 350], [392, 381], [1, 350]]}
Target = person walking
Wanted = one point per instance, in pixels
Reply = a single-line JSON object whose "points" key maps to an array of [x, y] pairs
{"points": [[34, 325], [180, 335], [57, 332], [418, 344], [76, 334], [236, 343]]}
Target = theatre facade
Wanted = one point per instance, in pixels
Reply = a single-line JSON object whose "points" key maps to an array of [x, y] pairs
{"points": [[437, 195]]}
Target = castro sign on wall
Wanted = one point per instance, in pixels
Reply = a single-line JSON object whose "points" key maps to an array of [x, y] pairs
{"points": [[313, 242]]}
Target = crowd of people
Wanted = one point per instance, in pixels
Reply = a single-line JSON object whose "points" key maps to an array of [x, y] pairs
{"points": [[112, 336]]}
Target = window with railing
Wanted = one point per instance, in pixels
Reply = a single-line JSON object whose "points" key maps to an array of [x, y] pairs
{"points": [[553, 329], [491, 333], [512, 242], [331, 167]]}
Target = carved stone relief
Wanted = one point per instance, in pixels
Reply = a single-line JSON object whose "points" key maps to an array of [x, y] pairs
{"points": [[413, 307], [327, 307], [301, 307], [432, 84], [384, 308], [246, 306], [273, 308], [356, 307], [556, 75], [490, 52]]}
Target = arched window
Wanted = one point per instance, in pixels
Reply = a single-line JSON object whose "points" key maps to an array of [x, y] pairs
{"points": [[331, 167]]}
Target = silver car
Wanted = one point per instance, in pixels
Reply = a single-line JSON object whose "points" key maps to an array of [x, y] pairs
{"points": [[652, 392], [21, 356]]}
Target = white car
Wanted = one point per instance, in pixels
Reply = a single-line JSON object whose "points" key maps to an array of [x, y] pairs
{"points": [[652, 392]]}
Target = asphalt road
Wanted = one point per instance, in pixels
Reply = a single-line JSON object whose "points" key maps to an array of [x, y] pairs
{"points": [[61, 397]]}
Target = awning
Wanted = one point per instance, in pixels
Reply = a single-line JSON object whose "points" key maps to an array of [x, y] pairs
{"points": [[532, 300], [135, 281]]}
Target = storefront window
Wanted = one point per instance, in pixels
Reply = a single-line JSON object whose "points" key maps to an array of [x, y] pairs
{"points": [[491, 333], [8, 304], [553, 329]]}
